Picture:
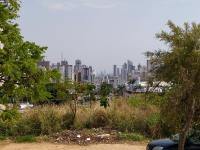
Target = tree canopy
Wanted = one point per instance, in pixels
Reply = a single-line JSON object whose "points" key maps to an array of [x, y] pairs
{"points": [[20, 75], [180, 66]]}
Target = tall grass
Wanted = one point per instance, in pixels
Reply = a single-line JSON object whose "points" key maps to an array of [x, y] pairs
{"points": [[125, 115]]}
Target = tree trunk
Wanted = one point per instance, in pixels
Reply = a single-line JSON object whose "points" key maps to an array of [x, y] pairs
{"points": [[189, 117], [182, 140]]}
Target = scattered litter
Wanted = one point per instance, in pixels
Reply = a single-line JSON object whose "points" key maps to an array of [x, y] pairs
{"points": [[85, 137]]}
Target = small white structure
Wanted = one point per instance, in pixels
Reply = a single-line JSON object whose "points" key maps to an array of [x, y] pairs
{"points": [[25, 106]]}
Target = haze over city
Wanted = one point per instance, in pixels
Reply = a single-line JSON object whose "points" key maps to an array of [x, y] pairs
{"points": [[101, 32]]}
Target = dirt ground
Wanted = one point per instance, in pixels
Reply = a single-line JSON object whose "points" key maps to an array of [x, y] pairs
{"points": [[50, 146]]}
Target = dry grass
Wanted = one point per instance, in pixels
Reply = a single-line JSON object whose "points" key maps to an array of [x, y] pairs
{"points": [[120, 116]]}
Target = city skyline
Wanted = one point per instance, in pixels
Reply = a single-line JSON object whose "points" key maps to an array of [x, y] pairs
{"points": [[101, 32]]}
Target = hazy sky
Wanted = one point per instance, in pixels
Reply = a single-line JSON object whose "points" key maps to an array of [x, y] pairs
{"points": [[102, 32]]}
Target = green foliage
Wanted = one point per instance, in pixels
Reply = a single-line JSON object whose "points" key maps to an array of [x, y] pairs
{"points": [[153, 123], [50, 121], [121, 116], [29, 124], [89, 92], [44, 120], [141, 100], [122, 121], [153, 119], [105, 89], [104, 102], [131, 136], [67, 120], [2, 138], [120, 90], [8, 120], [180, 66], [19, 73], [25, 139], [137, 101]]}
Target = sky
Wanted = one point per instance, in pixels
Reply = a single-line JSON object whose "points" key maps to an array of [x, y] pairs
{"points": [[102, 32]]}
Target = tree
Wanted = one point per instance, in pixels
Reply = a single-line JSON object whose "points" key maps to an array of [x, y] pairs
{"points": [[89, 92], [104, 92], [121, 89], [20, 75], [180, 66]]}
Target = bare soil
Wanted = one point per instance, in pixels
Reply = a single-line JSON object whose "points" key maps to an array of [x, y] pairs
{"points": [[51, 146]]}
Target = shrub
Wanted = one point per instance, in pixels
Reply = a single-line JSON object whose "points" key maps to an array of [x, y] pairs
{"points": [[8, 120], [2, 138], [99, 119], [29, 124], [50, 121], [121, 121], [43, 120], [120, 115], [67, 120], [131, 136], [83, 118], [153, 125], [25, 139]]}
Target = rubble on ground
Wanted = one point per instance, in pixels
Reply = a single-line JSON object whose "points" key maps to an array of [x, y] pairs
{"points": [[84, 137]]}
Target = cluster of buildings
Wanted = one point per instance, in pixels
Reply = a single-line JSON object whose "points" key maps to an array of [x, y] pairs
{"points": [[126, 73], [79, 72], [122, 75]]}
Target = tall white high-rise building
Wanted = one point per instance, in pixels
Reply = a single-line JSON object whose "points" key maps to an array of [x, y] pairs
{"points": [[69, 72]]}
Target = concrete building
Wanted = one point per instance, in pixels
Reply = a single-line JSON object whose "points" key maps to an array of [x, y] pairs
{"points": [[130, 66], [69, 72], [44, 64], [114, 70]]}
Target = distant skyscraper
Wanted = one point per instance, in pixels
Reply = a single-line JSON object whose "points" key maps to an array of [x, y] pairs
{"points": [[62, 72], [91, 74], [139, 67], [125, 66], [69, 72], [114, 70], [130, 66], [77, 71], [45, 64], [118, 72], [85, 74], [77, 66], [64, 62]]}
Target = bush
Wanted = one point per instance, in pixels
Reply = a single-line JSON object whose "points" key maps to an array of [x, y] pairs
{"points": [[99, 119], [45, 120], [153, 125], [83, 118], [50, 121], [2, 138], [131, 136], [29, 124], [8, 120], [121, 121], [25, 139], [67, 120]]}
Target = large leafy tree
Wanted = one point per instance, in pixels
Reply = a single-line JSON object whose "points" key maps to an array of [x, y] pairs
{"points": [[180, 66], [20, 76]]}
